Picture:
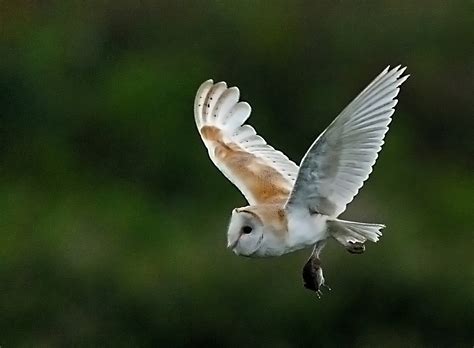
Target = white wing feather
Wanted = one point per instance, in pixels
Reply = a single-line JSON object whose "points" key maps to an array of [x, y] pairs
{"points": [[341, 159]]}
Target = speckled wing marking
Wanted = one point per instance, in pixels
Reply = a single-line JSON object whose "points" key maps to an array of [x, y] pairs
{"points": [[341, 159], [261, 173]]}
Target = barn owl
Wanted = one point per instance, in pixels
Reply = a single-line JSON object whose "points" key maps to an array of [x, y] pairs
{"points": [[291, 207]]}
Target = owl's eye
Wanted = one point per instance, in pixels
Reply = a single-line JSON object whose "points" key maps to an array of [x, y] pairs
{"points": [[246, 229]]}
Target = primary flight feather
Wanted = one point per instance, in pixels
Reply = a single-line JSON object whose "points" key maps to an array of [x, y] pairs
{"points": [[293, 207]]}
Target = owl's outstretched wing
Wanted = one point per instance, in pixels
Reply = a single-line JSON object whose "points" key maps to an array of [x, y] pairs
{"points": [[341, 159], [261, 173]]}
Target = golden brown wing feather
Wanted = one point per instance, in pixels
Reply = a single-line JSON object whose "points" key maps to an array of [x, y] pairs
{"points": [[262, 174]]}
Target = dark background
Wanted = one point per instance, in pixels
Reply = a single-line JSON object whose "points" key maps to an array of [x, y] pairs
{"points": [[113, 219]]}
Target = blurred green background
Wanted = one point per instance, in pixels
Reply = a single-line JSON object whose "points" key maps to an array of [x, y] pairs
{"points": [[113, 219]]}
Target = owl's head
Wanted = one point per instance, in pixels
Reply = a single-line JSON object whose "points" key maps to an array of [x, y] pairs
{"points": [[246, 232]]}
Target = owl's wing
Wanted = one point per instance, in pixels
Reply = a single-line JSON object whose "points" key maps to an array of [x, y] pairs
{"points": [[341, 159], [260, 172]]}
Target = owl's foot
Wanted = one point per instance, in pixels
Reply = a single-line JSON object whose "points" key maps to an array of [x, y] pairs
{"points": [[355, 248], [313, 278]]}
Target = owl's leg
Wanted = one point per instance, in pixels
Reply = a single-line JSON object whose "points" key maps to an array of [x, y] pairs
{"points": [[313, 278]]}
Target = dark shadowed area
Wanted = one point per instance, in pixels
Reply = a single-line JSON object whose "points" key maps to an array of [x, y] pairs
{"points": [[113, 218]]}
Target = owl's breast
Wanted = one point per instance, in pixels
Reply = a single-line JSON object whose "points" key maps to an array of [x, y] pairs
{"points": [[304, 230]]}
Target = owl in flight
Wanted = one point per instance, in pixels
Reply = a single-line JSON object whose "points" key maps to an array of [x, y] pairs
{"points": [[291, 207]]}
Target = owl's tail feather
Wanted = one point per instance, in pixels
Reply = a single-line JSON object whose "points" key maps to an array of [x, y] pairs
{"points": [[347, 232]]}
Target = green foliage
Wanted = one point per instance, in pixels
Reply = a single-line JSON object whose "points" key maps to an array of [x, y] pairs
{"points": [[113, 220]]}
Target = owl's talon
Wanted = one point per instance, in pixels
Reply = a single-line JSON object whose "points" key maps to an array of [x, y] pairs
{"points": [[355, 247]]}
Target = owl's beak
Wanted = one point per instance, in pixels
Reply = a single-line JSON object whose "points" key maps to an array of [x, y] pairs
{"points": [[231, 243]]}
